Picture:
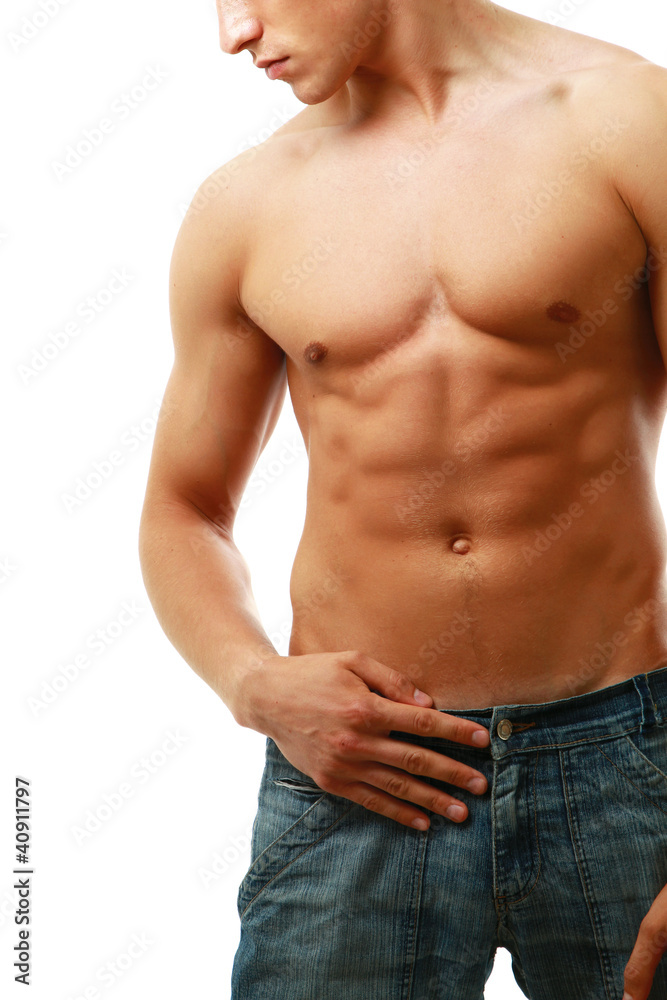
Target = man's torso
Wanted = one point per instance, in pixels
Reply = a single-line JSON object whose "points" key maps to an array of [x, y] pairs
{"points": [[473, 364]]}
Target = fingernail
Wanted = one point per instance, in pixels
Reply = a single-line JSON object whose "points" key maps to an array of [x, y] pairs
{"points": [[626, 996], [455, 812], [424, 699], [481, 737], [420, 824]]}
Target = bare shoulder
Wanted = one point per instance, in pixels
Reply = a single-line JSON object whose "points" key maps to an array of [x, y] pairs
{"points": [[230, 206], [618, 85], [617, 100], [240, 186], [601, 71]]}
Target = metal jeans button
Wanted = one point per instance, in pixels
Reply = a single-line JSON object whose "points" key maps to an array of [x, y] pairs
{"points": [[504, 729]]}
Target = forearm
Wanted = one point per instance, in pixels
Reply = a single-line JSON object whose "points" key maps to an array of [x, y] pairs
{"points": [[200, 588]]}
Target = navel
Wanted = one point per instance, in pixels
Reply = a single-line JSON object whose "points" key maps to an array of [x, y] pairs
{"points": [[563, 312], [315, 352], [461, 546]]}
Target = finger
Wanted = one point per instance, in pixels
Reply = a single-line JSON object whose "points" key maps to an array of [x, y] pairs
{"points": [[418, 760], [649, 948], [431, 722], [400, 785], [386, 681], [375, 800]]}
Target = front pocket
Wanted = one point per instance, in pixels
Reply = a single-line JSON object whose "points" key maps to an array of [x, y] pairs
{"points": [[308, 829], [650, 745], [297, 786], [641, 758], [293, 815]]}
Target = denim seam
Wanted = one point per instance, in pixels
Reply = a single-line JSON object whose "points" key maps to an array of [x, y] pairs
{"points": [[291, 862], [656, 714], [506, 897], [573, 743], [628, 778], [648, 761], [422, 842], [285, 832], [584, 875]]}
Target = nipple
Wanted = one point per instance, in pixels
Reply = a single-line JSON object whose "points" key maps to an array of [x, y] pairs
{"points": [[563, 312], [315, 351]]}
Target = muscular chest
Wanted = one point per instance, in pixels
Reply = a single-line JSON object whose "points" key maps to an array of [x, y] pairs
{"points": [[389, 248]]}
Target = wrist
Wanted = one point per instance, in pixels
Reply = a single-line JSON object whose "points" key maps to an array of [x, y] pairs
{"points": [[242, 700]]}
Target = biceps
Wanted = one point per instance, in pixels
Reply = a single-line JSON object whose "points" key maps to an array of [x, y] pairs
{"points": [[220, 406]]}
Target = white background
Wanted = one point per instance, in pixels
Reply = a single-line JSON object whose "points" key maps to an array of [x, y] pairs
{"points": [[69, 569]]}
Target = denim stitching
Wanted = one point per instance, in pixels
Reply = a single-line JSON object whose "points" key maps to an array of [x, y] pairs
{"points": [[281, 835], [656, 714], [628, 778], [506, 896], [573, 743], [422, 840], [648, 761], [583, 875], [293, 859]]}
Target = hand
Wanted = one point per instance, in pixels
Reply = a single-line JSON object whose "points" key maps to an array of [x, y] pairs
{"points": [[649, 948], [324, 714]]}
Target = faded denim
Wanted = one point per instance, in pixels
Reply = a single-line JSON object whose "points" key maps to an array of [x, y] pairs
{"points": [[558, 862]]}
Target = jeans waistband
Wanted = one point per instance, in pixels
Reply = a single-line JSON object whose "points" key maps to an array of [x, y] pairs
{"points": [[630, 705]]}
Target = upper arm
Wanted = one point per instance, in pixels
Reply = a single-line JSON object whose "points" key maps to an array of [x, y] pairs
{"points": [[640, 174], [228, 381]]}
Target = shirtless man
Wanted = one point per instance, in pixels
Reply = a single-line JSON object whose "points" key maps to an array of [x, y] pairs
{"points": [[455, 259]]}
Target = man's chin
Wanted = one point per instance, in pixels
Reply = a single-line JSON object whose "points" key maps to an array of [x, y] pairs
{"points": [[311, 92]]}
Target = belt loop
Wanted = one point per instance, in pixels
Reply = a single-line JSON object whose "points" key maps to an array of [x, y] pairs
{"points": [[660, 708], [649, 710]]}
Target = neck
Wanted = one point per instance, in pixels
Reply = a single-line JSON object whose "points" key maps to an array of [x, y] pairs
{"points": [[423, 47]]}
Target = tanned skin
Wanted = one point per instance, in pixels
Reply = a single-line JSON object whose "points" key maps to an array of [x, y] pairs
{"points": [[454, 258]]}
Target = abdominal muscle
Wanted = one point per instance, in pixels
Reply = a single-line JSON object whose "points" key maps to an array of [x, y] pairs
{"points": [[508, 551]]}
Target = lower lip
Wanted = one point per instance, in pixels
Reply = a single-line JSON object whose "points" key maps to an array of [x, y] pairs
{"points": [[275, 69]]}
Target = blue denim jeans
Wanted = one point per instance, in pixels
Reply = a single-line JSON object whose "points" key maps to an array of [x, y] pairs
{"points": [[558, 862]]}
